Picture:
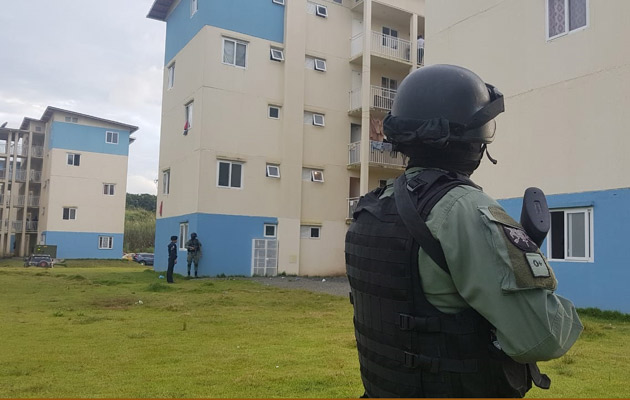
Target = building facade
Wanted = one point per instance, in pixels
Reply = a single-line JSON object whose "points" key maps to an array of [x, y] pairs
{"points": [[566, 86], [272, 126], [63, 183]]}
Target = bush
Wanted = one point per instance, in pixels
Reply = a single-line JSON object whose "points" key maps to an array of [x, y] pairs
{"points": [[139, 231]]}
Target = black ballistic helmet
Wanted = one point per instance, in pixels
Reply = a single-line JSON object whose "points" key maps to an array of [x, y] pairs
{"points": [[193, 235], [441, 104]]}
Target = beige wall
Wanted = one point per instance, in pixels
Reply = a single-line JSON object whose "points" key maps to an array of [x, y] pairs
{"points": [[82, 187], [564, 98]]}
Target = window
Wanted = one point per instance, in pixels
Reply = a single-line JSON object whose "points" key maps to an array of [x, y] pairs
{"points": [[234, 52], [69, 213], [38, 129], [171, 75], [270, 230], [310, 232], [318, 119], [108, 189], [274, 112], [571, 235], [313, 175], [183, 235], [281, 2], [166, 181], [74, 159], [111, 137], [188, 110], [73, 120], [321, 11], [314, 63], [273, 171], [389, 87], [564, 16], [390, 37], [320, 65], [194, 7], [277, 54], [230, 174], [105, 242]]}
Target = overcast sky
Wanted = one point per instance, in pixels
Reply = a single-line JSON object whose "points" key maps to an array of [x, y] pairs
{"points": [[96, 57]]}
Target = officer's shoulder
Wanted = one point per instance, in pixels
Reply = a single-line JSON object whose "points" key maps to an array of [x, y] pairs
{"points": [[467, 196]]}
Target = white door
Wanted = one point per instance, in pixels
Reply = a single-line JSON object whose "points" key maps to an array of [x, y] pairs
{"points": [[265, 257]]}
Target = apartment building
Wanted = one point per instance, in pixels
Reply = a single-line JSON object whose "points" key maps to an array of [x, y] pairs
{"points": [[566, 83], [272, 126], [63, 182]]}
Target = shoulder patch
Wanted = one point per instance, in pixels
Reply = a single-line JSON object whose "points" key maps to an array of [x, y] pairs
{"points": [[519, 238]]}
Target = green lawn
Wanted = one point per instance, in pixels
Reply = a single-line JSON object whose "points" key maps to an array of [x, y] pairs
{"points": [[114, 329]]}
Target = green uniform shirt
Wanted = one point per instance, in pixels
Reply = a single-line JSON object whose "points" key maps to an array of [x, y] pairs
{"points": [[495, 272]]}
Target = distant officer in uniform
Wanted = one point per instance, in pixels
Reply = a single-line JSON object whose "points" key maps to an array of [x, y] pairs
{"points": [[194, 252], [451, 296], [172, 258]]}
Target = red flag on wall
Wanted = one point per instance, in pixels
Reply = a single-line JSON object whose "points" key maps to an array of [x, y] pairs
{"points": [[186, 126]]}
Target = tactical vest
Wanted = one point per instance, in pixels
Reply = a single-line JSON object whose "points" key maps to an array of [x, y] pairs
{"points": [[407, 347]]}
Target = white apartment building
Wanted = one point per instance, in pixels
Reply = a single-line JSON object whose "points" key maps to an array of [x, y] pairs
{"points": [[63, 181], [272, 126]]}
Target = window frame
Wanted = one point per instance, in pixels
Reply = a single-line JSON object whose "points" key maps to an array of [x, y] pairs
{"points": [[111, 190], [567, 22], [315, 178], [76, 159], [230, 170], [113, 135], [72, 213], [311, 229], [170, 80], [166, 181], [589, 241], [268, 171], [183, 235], [321, 10], [275, 230], [236, 42], [322, 67], [276, 54], [269, 111], [323, 119], [109, 245], [188, 113]]}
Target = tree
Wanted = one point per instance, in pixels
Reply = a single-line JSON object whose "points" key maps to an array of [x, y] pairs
{"points": [[144, 201]]}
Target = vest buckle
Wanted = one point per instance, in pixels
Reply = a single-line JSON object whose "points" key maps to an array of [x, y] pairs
{"points": [[406, 322]]}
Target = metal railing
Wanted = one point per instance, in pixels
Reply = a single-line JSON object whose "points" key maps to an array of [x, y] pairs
{"points": [[20, 175], [380, 97], [352, 205], [20, 200], [36, 176], [380, 153], [384, 45], [37, 151], [31, 226]]}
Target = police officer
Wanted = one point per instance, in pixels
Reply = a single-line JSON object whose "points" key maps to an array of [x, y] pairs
{"points": [[451, 296], [194, 252], [172, 259]]}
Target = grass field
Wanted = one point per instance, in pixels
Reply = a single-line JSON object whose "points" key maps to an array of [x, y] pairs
{"points": [[114, 329]]}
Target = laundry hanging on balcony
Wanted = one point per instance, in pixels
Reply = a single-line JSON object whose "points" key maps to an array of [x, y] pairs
{"points": [[376, 129]]}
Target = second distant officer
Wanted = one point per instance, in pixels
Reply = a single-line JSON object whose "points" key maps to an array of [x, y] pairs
{"points": [[194, 253]]}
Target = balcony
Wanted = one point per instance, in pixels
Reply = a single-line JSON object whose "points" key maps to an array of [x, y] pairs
{"points": [[352, 206], [33, 201], [36, 176], [383, 46], [381, 99], [37, 151], [381, 155]]}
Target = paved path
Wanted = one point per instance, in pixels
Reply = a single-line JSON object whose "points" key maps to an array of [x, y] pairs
{"points": [[335, 285]]}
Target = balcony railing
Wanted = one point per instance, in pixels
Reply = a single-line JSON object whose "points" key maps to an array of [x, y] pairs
{"points": [[380, 153], [352, 205], [380, 98], [37, 151], [20, 175], [36, 176], [383, 45], [31, 226], [33, 201]]}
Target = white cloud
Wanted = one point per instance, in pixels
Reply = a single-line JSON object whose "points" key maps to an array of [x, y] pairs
{"points": [[102, 58]]}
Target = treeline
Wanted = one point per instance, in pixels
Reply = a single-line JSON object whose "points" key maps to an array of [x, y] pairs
{"points": [[139, 223]]}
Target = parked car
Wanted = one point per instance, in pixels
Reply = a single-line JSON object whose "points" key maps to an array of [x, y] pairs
{"points": [[143, 258], [39, 260]]}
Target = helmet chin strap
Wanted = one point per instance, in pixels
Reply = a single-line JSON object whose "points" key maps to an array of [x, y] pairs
{"points": [[492, 160]]}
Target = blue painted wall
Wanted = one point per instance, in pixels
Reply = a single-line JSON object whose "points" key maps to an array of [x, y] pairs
{"points": [[68, 136], [604, 282], [226, 242], [259, 18], [84, 244]]}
